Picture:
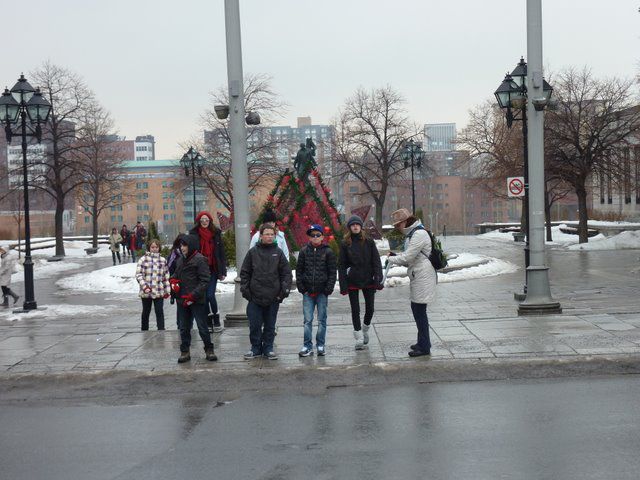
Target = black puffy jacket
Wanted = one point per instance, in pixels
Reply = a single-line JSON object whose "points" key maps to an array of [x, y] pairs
{"points": [[265, 276], [359, 265], [316, 269], [218, 249], [193, 271]]}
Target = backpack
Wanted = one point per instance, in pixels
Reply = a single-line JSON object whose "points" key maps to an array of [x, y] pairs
{"points": [[437, 257]]}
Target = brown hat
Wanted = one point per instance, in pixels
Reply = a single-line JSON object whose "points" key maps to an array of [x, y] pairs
{"points": [[400, 216]]}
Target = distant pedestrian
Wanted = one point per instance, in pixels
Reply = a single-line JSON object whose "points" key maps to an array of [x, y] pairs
{"points": [[153, 277], [359, 269], [140, 236], [211, 247], [265, 281], [115, 239], [189, 284], [422, 276], [316, 279], [126, 247], [280, 241], [7, 265]]}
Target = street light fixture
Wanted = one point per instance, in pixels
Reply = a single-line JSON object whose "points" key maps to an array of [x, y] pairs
{"points": [[192, 161], [16, 105], [412, 154]]}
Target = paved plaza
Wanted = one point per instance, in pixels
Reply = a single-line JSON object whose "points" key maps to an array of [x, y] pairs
{"points": [[473, 323]]}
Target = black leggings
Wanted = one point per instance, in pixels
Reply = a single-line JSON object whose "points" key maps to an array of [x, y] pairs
{"points": [[113, 255], [158, 304], [369, 295]]}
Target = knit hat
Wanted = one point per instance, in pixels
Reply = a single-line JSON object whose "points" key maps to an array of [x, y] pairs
{"points": [[269, 216], [313, 227], [355, 219], [400, 216], [202, 214]]}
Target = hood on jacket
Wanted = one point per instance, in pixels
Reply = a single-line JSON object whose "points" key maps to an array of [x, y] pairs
{"points": [[192, 242], [410, 228]]}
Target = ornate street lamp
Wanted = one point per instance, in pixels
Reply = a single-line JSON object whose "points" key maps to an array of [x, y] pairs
{"points": [[412, 154], [192, 161], [17, 105], [512, 97]]}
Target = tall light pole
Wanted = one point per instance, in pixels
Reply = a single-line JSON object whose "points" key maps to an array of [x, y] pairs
{"points": [[538, 300], [412, 154], [238, 139], [193, 161], [16, 105]]}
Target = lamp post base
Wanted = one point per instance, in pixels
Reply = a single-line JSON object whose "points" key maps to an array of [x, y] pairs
{"points": [[238, 316], [538, 300]]}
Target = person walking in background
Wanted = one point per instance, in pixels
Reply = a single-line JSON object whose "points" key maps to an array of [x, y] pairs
{"points": [[7, 265], [211, 247], [132, 244], [189, 284], [280, 241], [265, 281], [422, 275], [115, 239], [140, 234], [316, 279], [359, 269], [153, 277], [124, 233]]}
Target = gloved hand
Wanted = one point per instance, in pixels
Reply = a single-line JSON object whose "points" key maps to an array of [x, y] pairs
{"points": [[165, 296], [343, 292], [175, 284], [391, 254], [188, 299], [379, 286], [146, 289]]}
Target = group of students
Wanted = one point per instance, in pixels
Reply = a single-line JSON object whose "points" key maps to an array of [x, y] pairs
{"points": [[130, 240], [197, 263]]}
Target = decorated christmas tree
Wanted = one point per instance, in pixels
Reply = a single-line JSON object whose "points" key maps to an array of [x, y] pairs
{"points": [[301, 198]]}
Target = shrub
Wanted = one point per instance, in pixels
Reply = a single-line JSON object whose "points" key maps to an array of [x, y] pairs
{"points": [[229, 243]]}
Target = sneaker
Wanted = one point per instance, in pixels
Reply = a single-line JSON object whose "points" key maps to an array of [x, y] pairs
{"points": [[250, 355], [271, 355], [418, 353], [321, 351], [217, 328], [305, 352], [365, 334], [357, 335]]}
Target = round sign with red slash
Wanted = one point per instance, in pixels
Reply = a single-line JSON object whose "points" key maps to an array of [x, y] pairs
{"points": [[515, 186]]}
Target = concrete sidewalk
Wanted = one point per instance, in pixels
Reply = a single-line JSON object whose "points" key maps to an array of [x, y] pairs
{"points": [[472, 323]]}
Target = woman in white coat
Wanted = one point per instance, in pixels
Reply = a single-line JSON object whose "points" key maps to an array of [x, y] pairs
{"points": [[7, 264], [422, 275]]}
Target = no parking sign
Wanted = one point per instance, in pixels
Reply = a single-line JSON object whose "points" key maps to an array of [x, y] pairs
{"points": [[515, 186]]}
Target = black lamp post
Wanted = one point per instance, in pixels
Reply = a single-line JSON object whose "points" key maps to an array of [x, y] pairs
{"points": [[16, 105], [193, 161], [512, 95], [412, 154]]}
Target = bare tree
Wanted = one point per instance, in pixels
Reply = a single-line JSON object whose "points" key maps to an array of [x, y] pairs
{"points": [[100, 164], [262, 147], [57, 173], [371, 128], [584, 132]]}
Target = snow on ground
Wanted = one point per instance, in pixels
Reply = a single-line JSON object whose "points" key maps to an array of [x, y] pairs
{"points": [[559, 237], [43, 269], [72, 248], [55, 311], [624, 240]]}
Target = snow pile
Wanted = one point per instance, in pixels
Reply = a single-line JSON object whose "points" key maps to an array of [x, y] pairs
{"points": [[628, 239], [55, 311], [43, 269], [559, 237]]}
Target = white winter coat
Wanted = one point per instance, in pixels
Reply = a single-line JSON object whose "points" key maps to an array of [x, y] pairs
{"points": [[7, 266], [421, 273]]}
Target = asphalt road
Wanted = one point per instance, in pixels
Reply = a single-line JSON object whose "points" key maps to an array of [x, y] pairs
{"points": [[536, 429]]}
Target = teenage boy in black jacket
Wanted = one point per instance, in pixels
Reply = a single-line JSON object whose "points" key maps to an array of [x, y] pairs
{"points": [[189, 285], [265, 281], [316, 278]]}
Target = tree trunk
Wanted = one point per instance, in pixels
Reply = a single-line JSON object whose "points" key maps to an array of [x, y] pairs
{"points": [[547, 212], [94, 228], [379, 206], [58, 225], [583, 217]]}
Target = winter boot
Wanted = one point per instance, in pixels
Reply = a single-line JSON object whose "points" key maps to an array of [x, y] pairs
{"points": [[184, 357], [365, 334], [210, 322], [15, 296], [210, 355], [5, 302], [357, 334], [217, 328]]}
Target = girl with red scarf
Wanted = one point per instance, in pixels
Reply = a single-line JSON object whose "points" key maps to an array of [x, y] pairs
{"points": [[212, 249]]}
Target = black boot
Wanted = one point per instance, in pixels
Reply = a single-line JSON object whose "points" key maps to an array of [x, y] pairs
{"points": [[212, 357], [217, 328], [15, 296], [210, 322], [184, 357], [5, 302]]}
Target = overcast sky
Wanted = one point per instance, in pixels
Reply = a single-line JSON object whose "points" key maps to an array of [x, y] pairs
{"points": [[152, 63]]}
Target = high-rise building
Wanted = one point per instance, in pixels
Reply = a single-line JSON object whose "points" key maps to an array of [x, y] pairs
{"points": [[439, 137]]}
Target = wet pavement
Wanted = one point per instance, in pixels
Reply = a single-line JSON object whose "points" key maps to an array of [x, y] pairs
{"points": [[470, 320]]}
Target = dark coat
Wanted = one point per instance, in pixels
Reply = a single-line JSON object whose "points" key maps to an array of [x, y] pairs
{"points": [[316, 269], [265, 276], [359, 265], [193, 271], [218, 248]]}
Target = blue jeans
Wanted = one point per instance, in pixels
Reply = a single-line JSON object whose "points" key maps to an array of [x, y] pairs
{"points": [[211, 293], [422, 322], [309, 304], [185, 323], [262, 326]]}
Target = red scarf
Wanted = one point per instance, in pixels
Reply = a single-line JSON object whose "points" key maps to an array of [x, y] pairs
{"points": [[207, 247]]}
